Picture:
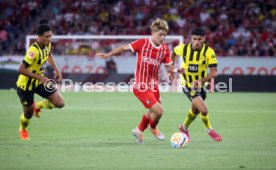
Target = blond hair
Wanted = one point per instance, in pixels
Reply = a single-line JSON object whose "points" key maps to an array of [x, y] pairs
{"points": [[159, 24]]}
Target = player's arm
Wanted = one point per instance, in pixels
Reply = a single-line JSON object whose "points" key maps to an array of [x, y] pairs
{"points": [[51, 60], [24, 71], [173, 57], [213, 74], [177, 51], [212, 63], [171, 69], [169, 66], [113, 52]]}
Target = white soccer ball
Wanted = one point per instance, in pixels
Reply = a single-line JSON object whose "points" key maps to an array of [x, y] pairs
{"points": [[179, 140]]}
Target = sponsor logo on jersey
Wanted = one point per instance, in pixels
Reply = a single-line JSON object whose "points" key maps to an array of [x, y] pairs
{"points": [[193, 68], [150, 60]]}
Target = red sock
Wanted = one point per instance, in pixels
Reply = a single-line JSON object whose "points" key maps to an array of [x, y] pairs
{"points": [[143, 123], [153, 124]]}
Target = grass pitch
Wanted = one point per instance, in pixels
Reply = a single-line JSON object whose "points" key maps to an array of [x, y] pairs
{"points": [[93, 132]]}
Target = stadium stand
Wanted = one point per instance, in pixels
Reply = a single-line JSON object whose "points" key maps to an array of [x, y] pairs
{"points": [[234, 28]]}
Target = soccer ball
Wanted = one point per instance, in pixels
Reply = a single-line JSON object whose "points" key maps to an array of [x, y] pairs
{"points": [[179, 140]]}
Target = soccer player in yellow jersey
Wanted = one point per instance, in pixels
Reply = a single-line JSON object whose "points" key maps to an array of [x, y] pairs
{"points": [[32, 80], [197, 58]]}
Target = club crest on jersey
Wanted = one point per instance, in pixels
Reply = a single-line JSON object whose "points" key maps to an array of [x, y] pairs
{"points": [[148, 101], [150, 60], [31, 54]]}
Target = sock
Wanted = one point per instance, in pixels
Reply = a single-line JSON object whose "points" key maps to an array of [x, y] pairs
{"points": [[143, 123], [206, 121], [153, 123], [45, 104], [189, 119], [24, 122]]}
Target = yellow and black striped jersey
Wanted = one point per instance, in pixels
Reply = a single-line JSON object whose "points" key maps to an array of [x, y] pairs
{"points": [[195, 62], [35, 60]]}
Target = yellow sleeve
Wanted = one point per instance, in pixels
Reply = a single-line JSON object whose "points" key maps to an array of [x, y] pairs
{"points": [[31, 55], [178, 50], [211, 58], [50, 46]]}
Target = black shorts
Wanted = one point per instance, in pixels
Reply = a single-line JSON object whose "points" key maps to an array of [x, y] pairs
{"points": [[27, 97], [191, 94]]}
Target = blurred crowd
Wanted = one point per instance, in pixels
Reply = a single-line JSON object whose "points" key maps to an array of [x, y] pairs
{"points": [[233, 27]]}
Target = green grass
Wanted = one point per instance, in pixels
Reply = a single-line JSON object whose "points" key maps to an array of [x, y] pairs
{"points": [[93, 132]]}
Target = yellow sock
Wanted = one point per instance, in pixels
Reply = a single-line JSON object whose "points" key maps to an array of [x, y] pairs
{"points": [[189, 119], [24, 122], [206, 121], [45, 104]]}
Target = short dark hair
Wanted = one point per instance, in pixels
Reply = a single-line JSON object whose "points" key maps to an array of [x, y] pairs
{"points": [[198, 31], [43, 28]]}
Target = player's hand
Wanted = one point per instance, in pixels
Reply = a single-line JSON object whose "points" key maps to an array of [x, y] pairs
{"points": [[171, 77], [197, 84], [58, 76], [181, 70], [43, 79], [102, 55]]}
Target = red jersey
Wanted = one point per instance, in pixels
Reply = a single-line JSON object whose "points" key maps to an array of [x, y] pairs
{"points": [[148, 61]]}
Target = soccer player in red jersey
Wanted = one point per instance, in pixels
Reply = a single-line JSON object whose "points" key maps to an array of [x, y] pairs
{"points": [[151, 53]]}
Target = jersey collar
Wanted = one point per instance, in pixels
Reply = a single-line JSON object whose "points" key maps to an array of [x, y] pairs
{"points": [[154, 45]]}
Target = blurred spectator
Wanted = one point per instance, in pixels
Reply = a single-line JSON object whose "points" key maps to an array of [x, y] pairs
{"points": [[111, 66], [234, 28]]}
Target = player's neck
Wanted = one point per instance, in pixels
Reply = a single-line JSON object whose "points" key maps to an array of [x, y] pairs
{"points": [[155, 44], [196, 49], [41, 45]]}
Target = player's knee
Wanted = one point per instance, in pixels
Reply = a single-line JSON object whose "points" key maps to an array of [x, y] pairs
{"points": [[195, 111], [60, 104], [159, 111], [28, 111], [204, 111], [28, 114]]}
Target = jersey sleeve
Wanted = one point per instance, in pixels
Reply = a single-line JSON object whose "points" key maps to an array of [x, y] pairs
{"points": [[31, 56], [167, 59], [136, 46], [50, 46], [211, 58], [178, 50]]}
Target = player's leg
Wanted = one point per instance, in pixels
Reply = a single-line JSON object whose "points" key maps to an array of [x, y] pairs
{"points": [[144, 121], [54, 100], [202, 107], [192, 112], [191, 116], [148, 99], [26, 98], [157, 112]]}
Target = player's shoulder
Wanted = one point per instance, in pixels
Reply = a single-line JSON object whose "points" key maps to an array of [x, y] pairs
{"points": [[209, 50], [139, 41], [33, 51], [34, 47], [143, 40], [165, 45], [180, 45]]}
